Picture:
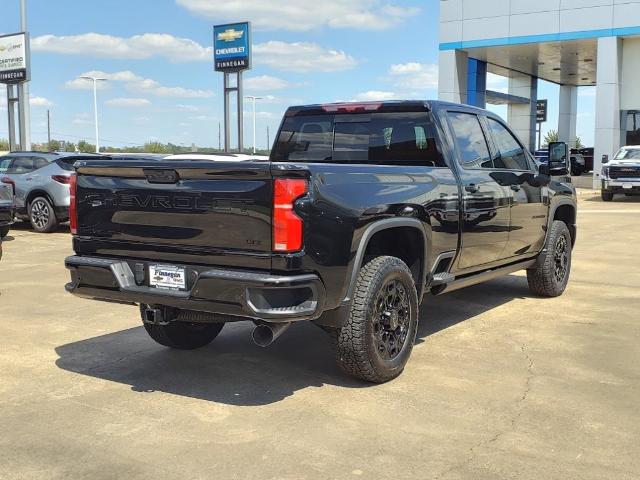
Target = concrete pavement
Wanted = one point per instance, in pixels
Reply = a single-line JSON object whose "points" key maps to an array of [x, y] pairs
{"points": [[500, 385]]}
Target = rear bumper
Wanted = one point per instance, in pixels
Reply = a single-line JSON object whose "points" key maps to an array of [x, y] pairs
{"points": [[255, 295]]}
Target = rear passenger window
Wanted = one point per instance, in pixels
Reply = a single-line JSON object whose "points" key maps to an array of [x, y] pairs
{"points": [[39, 162], [380, 138], [472, 144], [22, 165], [511, 154]]}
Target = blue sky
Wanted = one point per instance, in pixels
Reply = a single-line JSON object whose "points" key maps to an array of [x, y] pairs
{"points": [[157, 55]]}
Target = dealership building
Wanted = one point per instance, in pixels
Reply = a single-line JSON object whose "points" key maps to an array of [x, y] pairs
{"points": [[569, 42]]}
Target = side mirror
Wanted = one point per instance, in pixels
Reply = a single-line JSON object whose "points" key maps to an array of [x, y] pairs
{"points": [[558, 159], [605, 159], [544, 169]]}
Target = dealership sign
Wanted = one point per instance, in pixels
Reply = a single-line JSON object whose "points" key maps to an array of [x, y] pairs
{"points": [[232, 47], [14, 58], [541, 111]]}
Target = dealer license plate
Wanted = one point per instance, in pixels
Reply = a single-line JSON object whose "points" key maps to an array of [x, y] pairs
{"points": [[167, 277], [627, 186]]}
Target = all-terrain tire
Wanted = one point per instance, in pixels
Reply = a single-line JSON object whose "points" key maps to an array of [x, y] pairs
{"points": [[183, 335], [606, 196], [550, 275], [358, 343], [42, 215]]}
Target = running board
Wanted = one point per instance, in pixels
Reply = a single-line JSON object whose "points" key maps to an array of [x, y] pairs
{"points": [[482, 277]]}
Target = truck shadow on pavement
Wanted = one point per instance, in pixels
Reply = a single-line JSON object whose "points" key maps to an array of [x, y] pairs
{"points": [[233, 371]]}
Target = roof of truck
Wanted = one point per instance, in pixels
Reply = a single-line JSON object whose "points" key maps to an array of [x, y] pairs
{"points": [[381, 106], [216, 157]]}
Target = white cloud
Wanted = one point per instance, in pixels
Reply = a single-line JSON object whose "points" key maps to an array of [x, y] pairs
{"points": [[188, 108], [128, 102], [138, 84], [266, 82], [40, 102], [414, 76], [497, 83], [82, 119], [137, 47], [302, 57], [146, 85], [304, 15], [373, 95]]}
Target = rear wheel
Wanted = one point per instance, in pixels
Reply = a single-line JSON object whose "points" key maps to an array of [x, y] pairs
{"points": [[606, 196], [42, 215], [550, 276], [4, 231], [376, 342]]}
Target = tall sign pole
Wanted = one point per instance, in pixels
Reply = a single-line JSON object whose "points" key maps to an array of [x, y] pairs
{"points": [[23, 88], [541, 117], [232, 56], [14, 72]]}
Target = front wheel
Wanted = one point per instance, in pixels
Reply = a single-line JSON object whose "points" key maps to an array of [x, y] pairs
{"points": [[606, 196], [376, 342], [42, 215], [550, 275]]}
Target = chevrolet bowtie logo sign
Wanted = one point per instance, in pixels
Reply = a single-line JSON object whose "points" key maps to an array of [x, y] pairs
{"points": [[230, 35]]}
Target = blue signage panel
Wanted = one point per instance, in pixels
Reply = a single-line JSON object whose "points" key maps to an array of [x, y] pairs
{"points": [[232, 47]]}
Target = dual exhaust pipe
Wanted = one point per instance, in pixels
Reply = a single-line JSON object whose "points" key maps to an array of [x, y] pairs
{"points": [[264, 334]]}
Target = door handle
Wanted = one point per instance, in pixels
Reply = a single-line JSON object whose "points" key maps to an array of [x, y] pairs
{"points": [[515, 188], [472, 188]]}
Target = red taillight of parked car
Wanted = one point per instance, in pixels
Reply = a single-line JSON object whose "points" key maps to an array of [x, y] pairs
{"points": [[73, 208], [287, 226], [64, 179], [9, 181]]}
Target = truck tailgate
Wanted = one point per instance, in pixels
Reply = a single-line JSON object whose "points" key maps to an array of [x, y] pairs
{"points": [[193, 207]]}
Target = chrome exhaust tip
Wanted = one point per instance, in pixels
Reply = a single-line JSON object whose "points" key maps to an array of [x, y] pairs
{"points": [[264, 334]]}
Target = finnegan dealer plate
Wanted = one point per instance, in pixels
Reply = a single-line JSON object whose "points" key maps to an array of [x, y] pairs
{"points": [[167, 276]]}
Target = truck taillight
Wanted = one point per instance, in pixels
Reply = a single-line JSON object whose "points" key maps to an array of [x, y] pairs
{"points": [[73, 207], [9, 181], [287, 226]]}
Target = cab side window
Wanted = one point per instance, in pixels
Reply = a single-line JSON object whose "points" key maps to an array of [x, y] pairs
{"points": [[472, 144], [510, 154]]}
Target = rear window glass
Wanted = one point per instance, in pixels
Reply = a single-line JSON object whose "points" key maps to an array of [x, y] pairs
{"points": [[4, 164], [380, 138]]}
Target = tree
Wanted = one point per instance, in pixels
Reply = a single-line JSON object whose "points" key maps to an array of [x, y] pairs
{"points": [[4, 145], [155, 147], [551, 137], [579, 143], [86, 147]]}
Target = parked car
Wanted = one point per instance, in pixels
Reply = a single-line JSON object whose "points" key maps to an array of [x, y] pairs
{"points": [[7, 202], [622, 174], [362, 210], [41, 183]]}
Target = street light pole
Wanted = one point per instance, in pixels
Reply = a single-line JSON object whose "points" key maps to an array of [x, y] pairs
{"points": [[95, 81], [251, 97]]}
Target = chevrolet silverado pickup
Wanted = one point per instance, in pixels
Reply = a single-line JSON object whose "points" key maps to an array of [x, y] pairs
{"points": [[361, 211]]}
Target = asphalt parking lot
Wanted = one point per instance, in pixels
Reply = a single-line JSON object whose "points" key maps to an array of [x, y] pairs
{"points": [[500, 384]]}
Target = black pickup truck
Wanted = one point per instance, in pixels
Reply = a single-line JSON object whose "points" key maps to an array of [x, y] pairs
{"points": [[361, 211]]}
